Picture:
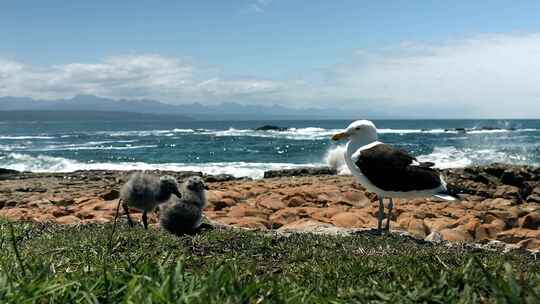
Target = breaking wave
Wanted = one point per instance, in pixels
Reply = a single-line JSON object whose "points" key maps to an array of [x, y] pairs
{"points": [[443, 157], [44, 163]]}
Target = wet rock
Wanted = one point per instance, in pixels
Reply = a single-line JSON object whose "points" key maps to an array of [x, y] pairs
{"points": [[509, 192], [271, 128], [8, 171], [219, 178], [511, 177], [308, 171]]}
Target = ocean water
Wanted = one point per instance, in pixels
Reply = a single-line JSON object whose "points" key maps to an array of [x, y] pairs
{"points": [[234, 147]]}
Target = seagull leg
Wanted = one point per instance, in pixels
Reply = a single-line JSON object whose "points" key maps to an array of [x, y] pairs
{"points": [[381, 214], [145, 220], [126, 211], [390, 207]]}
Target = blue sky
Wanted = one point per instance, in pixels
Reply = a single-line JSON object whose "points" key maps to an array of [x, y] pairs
{"points": [[350, 53]]}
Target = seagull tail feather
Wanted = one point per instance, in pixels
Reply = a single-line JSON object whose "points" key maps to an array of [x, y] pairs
{"points": [[452, 193]]}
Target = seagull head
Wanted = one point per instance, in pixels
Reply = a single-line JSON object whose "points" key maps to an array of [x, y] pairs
{"points": [[360, 130], [196, 183], [169, 184]]}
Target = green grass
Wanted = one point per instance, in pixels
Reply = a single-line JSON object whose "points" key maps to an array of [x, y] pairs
{"points": [[65, 264]]}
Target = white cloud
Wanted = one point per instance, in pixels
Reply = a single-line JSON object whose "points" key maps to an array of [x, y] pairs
{"points": [[488, 75], [141, 76], [257, 6], [496, 75]]}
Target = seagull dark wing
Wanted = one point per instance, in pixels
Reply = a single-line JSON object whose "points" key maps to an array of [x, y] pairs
{"points": [[391, 169]]}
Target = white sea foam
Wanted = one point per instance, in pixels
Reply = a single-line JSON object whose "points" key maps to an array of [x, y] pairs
{"points": [[450, 157], [26, 137], [307, 133], [443, 157], [335, 158], [43, 163]]}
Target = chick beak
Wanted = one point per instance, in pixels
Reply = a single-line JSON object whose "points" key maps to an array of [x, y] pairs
{"points": [[177, 193], [340, 135]]}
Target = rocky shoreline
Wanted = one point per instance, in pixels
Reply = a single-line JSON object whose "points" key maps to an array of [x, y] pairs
{"points": [[500, 202]]}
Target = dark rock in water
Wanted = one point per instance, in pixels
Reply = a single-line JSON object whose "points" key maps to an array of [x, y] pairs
{"points": [[308, 171], [8, 171], [219, 178], [271, 128], [512, 177], [495, 169], [485, 178], [461, 130]]}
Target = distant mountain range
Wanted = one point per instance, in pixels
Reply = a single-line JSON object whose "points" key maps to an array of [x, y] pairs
{"points": [[224, 111]]}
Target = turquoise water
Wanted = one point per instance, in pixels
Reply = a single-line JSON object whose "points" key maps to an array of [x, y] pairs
{"points": [[234, 147]]}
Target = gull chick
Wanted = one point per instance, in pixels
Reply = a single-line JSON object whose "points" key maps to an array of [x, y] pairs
{"points": [[183, 214], [145, 192]]}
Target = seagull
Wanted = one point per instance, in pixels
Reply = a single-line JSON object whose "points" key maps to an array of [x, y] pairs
{"points": [[387, 171]]}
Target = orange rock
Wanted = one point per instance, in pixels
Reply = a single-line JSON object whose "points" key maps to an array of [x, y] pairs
{"points": [[530, 221], [438, 224], [246, 222], [272, 203], [351, 219], [517, 234], [417, 228], [469, 224], [217, 200], [15, 213], [68, 219], [455, 235], [243, 210], [356, 199], [508, 217], [533, 244], [296, 201], [43, 217], [284, 216], [325, 214], [413, 225], [59, 212]]}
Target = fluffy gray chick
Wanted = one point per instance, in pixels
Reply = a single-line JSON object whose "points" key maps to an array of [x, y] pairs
{"points": [[183, 215], [145, 192]]}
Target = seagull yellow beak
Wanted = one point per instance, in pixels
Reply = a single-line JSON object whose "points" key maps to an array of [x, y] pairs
{"points": [[340, 135]]}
